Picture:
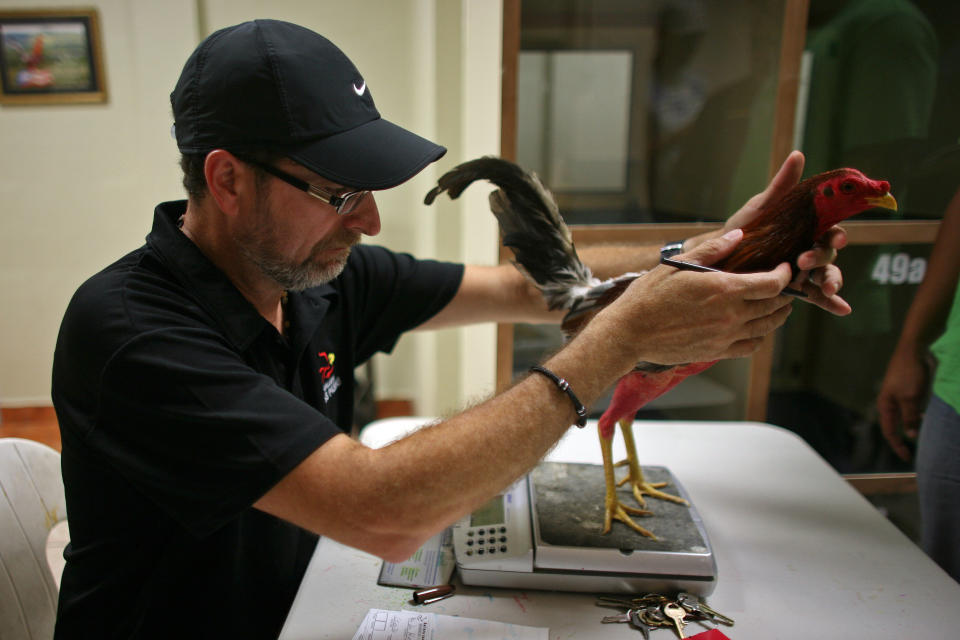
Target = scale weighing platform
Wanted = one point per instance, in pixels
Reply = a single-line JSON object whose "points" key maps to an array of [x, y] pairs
{"points": [[544, 533]]}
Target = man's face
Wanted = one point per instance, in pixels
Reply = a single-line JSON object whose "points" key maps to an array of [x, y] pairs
{"points": [[297, 240]]}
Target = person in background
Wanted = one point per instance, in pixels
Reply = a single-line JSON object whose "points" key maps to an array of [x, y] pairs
{"points": [[907, 407]]}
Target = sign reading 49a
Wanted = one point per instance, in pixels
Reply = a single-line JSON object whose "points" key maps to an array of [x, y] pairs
{"points": [[898, 268]]}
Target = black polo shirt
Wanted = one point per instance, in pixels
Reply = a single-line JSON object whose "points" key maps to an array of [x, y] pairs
{"points": [[179, 406]]}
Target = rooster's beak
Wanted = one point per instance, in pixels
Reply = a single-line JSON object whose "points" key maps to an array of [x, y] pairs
{"points": [[886, 201]]}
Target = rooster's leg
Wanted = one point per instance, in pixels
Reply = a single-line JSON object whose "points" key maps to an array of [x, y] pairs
{"points": [[635, 475], [613, 509]]}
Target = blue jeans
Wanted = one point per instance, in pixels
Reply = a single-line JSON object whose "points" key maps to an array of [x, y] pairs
{"points": [[938, 485]]}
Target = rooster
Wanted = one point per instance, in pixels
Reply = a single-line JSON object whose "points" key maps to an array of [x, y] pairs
{"points": [[531, 226]]}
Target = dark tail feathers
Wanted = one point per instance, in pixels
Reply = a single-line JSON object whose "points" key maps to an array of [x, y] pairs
{"points": [[530, 224]]}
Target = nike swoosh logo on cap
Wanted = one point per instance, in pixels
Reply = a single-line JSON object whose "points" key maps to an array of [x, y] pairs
{"points": [[359, 90]]}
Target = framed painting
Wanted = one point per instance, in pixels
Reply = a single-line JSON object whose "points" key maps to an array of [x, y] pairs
{"points": [[51, 57]]}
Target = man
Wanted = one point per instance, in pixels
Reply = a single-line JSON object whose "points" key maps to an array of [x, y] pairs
{"points": [[203, 381]]}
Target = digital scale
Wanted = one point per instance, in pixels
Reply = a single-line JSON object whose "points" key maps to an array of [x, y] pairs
{"points": [[544, 533]]}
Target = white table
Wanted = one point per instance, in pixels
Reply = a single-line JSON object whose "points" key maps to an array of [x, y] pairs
{"points": [[800, 553]]}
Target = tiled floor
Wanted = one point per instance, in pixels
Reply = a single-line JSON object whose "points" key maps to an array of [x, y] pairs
{"points": [[33, 423], [40, 423]]}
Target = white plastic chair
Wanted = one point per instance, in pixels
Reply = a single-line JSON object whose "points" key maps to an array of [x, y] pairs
{"points": [[31, 503]]}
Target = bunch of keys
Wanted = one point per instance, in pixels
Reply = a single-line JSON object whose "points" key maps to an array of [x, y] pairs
{"points": [[653, 611]]}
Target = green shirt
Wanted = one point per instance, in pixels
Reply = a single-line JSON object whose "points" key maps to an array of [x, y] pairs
{"points": [[946, 382]]}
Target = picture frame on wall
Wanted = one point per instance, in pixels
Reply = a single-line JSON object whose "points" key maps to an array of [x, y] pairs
{"points": [[51, 56]]}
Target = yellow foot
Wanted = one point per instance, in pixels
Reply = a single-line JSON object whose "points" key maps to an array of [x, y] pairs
{"points": [[643, 488], [615, 510]]}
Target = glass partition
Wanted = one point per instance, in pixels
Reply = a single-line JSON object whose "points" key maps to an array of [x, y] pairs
{"points": [[647, 114], [882, 94], [648, 111]]}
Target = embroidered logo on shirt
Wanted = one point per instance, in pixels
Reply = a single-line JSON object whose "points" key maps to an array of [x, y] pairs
{"points": [[326, 370], [330, 382]]}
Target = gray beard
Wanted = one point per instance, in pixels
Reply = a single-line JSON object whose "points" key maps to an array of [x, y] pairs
{"points": [[294, 277], [291, 277]]}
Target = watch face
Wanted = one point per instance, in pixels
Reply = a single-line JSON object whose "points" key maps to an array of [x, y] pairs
{"points": [[672, 249]]}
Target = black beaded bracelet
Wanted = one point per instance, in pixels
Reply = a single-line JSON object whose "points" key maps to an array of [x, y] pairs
{"points": [[564, 386]]}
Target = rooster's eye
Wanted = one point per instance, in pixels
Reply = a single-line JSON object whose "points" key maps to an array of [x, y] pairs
{"points": [[847, 187]]}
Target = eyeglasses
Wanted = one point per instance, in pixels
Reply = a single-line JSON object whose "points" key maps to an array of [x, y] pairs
{"points": [[344, 204]]}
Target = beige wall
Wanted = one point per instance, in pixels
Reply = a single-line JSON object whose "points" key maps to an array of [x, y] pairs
{"points": [[79, 183]]}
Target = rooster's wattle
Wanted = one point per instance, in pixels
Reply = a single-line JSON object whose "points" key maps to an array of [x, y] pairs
{"points": [[531, 226]]}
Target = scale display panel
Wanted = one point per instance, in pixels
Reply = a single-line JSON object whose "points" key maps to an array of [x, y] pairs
{"points": [[490, 513]]}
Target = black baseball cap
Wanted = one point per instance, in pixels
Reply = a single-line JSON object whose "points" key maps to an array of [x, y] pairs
{"points": [[272, 85]]}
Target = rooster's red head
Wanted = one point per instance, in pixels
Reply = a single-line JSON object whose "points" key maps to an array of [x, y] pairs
{"points": [[842, 193]]}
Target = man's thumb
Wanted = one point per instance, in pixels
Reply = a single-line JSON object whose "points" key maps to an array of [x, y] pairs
{"points": [[714, 249]]}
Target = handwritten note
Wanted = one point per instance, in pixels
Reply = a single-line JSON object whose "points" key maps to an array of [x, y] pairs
{"points": [[380, 624]]}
